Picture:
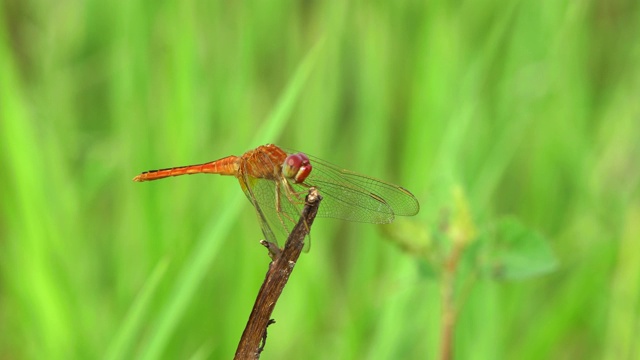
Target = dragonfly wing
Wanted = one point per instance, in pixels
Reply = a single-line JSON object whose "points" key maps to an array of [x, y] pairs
{"points": [[355, 197], [350, 203], [248, 188]]}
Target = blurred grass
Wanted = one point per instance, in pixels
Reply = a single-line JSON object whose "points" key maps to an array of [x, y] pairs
{"points": [[530, 106]]}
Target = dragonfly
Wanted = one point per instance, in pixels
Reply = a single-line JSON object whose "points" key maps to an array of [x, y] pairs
{"points": [[276, 181]]}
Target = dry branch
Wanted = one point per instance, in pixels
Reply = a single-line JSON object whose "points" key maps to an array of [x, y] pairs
{"points": [[279, 271]]}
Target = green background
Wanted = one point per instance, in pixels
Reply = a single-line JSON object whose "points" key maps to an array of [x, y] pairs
{"points": [[530, 107]]}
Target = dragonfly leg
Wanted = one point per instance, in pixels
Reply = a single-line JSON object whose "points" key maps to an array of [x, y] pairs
{"points": [[295, 197], [279, 208], [299, 195]]}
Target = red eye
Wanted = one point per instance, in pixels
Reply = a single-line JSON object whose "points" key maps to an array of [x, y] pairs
{"points": [[296, 167], [294, 161]]}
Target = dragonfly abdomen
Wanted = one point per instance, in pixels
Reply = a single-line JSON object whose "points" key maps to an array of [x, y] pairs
{"points": [[224, 166]]}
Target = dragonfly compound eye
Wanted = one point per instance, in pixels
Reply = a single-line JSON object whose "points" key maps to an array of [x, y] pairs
{"points": [[296, 167]]}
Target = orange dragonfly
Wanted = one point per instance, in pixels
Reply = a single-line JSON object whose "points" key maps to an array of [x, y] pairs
{"points": [[276, 182]]}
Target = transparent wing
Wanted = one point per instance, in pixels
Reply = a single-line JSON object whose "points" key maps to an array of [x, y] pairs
{"points": [[355, 197]]}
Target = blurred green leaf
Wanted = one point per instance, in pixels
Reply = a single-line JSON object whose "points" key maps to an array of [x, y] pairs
{"points": [[518, 252], [135, 317]]}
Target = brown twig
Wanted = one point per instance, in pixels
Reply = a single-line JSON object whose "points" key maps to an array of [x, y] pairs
{"points": [[449, 309], [279, 271]]}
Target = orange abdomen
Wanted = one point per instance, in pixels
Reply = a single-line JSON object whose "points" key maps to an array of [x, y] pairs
{"points": [[224, 166]]}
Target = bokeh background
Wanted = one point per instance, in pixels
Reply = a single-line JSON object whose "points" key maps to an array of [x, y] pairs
{"points": [[530, 108]]}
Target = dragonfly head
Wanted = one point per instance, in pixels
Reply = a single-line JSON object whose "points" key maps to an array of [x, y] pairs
{"points": [[296, 167]]}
